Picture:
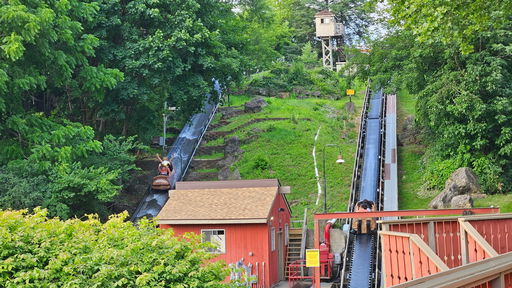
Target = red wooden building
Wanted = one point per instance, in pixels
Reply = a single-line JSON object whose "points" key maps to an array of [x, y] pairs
{"points": [[248, 220]]}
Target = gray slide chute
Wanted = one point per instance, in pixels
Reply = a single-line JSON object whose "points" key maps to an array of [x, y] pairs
{"points": [[183, 150]]}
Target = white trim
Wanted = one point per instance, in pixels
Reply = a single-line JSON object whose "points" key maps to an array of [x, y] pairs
{"points": [[212, 221]]}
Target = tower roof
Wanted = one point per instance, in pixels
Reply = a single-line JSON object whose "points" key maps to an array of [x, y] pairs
{"points": [[324, 13]]}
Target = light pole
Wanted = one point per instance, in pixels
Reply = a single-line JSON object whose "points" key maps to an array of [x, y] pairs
{"points": [[338, 161], [166, 115]]}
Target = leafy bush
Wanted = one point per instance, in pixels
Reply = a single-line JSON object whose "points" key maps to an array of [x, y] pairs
{"points": [[91, 254], [261, 163], [117, 154], [490, 173], [438, 172]]}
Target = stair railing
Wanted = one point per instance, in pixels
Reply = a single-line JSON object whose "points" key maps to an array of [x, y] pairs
{"points": [[304, 234]]}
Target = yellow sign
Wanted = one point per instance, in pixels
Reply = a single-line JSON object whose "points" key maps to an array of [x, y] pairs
{"points": [[351, 92], [312, 258]]}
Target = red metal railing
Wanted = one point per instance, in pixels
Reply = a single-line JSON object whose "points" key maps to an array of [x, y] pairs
{"points": [[296, 269], [296, 272]]}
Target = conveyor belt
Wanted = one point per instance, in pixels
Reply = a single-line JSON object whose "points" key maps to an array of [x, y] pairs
{"points": [[363, 247]]}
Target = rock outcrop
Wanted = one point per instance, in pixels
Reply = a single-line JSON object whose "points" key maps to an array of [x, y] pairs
{"points": [[231, 152], [463, 182], [255, 105], [409, 134], [462, 201]]}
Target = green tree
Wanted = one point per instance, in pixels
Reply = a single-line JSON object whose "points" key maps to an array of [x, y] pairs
{"points": [[45, 58], [458, 23], [309, 57], [60, 166], [168, 51], [91, 254]]}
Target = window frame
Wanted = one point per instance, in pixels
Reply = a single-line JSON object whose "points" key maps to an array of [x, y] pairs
{"points": [[221, 247]]}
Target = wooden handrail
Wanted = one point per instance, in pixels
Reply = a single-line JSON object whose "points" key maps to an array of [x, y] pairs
{"points": [[304, 234], [471, 274]]}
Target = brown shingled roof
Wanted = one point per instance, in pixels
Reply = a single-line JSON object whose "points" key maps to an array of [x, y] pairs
{"points": [[228, 184], [324, 13], [212, 206]]}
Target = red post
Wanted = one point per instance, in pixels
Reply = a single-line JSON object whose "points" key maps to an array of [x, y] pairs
{"points": [[316, 279]]}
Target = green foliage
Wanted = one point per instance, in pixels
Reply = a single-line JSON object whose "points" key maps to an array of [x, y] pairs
{"points": [[63, 168], [459, 71], [285, 76], [309, 57], [117, 154], [91, 254], [168, 51], [45, 57], [450, 22], [439, 171], [261, 163]]}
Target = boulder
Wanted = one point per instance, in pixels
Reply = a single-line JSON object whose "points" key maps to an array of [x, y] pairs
{"points": [[462, 182], [232, 146], [226, 174], [462, 201], [255, 105], [227, 161], [350, 107], [283, 95], [409, 134], [229, 112]]}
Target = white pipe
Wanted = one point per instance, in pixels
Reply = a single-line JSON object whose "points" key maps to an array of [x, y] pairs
{"points": [[316, 168], [257, 276], [263, 272]]}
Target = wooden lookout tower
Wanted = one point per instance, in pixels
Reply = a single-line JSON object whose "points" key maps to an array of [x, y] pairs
{"points": [[330, 33]]}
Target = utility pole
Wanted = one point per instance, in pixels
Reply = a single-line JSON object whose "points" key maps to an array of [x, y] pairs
{"points": [[166, 116]]}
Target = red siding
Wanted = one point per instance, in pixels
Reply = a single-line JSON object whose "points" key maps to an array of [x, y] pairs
{"points": [[278, 221], [241, 239]]}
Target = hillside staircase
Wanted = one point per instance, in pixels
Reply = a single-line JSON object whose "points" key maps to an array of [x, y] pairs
{"points": [[296, 243]]}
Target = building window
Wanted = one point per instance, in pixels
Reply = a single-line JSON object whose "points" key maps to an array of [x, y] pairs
{"points": [[216, 237], [286, 234], [273, 238]]}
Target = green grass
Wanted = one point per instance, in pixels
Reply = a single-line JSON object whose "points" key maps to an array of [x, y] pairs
{"points": [[410, 178], [207, 170], [283, 150], [410, 170], [504, 201], [236, 100]]}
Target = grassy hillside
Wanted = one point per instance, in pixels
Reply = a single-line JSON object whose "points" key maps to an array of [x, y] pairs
{"points": [[410, 171], [283, 149]]}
